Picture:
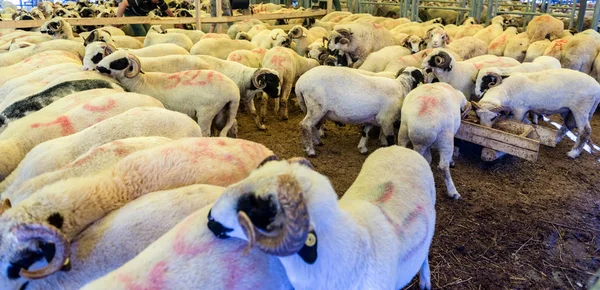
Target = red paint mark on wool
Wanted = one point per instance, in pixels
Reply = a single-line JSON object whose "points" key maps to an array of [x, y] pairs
{"points": [[235, 57], [429, 105], [236, 273], [388, 191], [278, 61], [557, 46], [62, 121], [259, 50], [101, 108], [376, 25], [182, 248], [156, 279], [192, 78], [499, 42]]}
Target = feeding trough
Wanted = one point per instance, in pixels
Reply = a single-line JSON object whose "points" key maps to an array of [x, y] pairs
{"points": [[507, 137]]}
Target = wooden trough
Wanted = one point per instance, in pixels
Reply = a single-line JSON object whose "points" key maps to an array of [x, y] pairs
{"points": [[507, 137]]}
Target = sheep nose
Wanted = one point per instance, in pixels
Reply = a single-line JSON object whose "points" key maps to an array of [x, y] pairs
{"points": [[103, 70], [217, 228]]}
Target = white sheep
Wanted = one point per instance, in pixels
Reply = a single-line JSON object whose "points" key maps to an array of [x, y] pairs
{"points": [[58, 28], [466, 47], [516, 46], [289, 66], [59, 212], [62, 119], [431, 116], [555, 48], [377, 236], [120, 41], [205, 95], [242, 26], [484, 82], [377, 61], [156, 34], [250, 58], [360, 39], [536, 49], [303, 37], [50, 47], [88, 163], [268, 39], [220, 48], [194, 35], [118, 237], [337, 94], [412, 42], [544, 27], [461, 74], [547, 92], [492, 31], [31, 79], [53, 154], [580, 51]]}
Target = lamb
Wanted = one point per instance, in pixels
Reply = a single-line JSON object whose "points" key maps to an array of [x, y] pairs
{"points": [[483, 82], [324, 93], [377, 61], [303, 37], [156, 34], [38, 101], [250, 82], [220, 48], [74, 204], [13, 57], [268, 39], [548, 92], [207, 96], [466, 47], [359, 40], [377, 235], [120, 41], [544, 27], [62, 119], [96, 51], [250, 58], [89, 163], [431, 116], [53, 154], [118, 237], [289, 66], [194, 35], [461, 74]]}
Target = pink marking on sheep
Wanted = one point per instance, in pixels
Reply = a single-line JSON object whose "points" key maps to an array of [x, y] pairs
{"points": [[104, 108], [156, 279], [557, 46], [278, 61], [388, 190], [376, 25], [499, 42], [63, 121], [429, 105], [235, 272], [235, 57], [259, 50], [190, 78]]}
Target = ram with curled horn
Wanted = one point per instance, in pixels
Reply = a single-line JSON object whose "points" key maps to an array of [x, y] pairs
{"points": [[288, 210]]}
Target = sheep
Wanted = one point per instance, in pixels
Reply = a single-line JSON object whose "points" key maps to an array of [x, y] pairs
{"points": [[46, 8], [318, 50], [539, 64], [335, 94], [359, 40], [30, 80], [58, 28], [412, 42], [555, 48], [580, 51], [377, 61], [120, 41], [156, 34], [161, 49], [431, 116], [220, 48], [25, 41], [75, 203], [53, 154], [516, 47], [548, 92], [194, 35], [492, 31], [250, 58], [38, 101], [242, 26], [183, 253], [302, 37], [467, 30], [119, 236], [535, 50], [252, 32], [289, 66], [544, 27], [268, 39], [466, 47], [214, 35], [461, 74], [62, 120], [96, 51], [203, 95], [377, 235], [13, 57], [88, 163], [250, 82]]}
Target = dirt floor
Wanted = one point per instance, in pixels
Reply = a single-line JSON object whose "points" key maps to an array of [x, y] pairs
{"points": [[519, 224]]}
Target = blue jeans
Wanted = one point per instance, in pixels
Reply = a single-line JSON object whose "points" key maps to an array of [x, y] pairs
{"points": [[137, 29]]}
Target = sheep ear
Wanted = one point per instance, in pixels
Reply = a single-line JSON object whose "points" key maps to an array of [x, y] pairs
{"points": [[268, 159], [302, 161]]}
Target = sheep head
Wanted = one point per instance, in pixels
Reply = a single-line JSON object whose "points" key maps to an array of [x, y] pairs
{"points": [[413, 43], [413, 75], [340, 39], [99, 35], [489, 113], [297, 32], [436, 37], [270, 208], [95, 52], [120, 64], [280, 38], [488, 80], [438, 59], [268, 81], [54, 28]]}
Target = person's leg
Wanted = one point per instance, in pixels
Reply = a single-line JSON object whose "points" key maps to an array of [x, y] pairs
{"points": [[136, 29], [213, 13], [227, 10], [338, 6]]}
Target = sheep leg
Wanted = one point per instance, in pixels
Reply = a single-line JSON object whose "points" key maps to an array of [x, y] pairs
{"points": [[568, 125], [585, 131], [425, 276], [263, 107], [362, 144], [446, 149], [388, 131], [519, 115], [306, 131], [230, 112], [286, 91], [403, 135], [425, 151], [317, 133], [252, 109]]}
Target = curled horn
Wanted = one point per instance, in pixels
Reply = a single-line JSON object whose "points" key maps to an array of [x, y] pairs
{"points": [[134, 68], [497, 82], [5, 205], [49, 234], [255, 78], [465, 110], [345, 33], [290, 238], [109, 49], [296, 32], [442, 60]]}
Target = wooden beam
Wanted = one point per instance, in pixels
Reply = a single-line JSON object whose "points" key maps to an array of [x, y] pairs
{"points": [[329, 6], [198, 20]]}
